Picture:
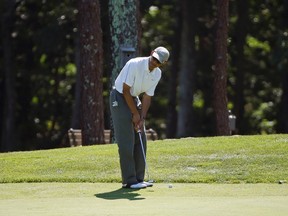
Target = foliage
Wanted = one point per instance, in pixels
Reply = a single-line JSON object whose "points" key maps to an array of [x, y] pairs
{"points": [[45, 62], [234, 159], [159, 33], [262, 91], [45, 71]]}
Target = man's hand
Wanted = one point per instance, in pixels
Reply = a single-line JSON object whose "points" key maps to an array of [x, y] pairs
{"points": [[139, 126], [136, 121]]}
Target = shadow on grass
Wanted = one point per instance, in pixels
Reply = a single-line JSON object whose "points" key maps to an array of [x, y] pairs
{"points": [[122, 193]]}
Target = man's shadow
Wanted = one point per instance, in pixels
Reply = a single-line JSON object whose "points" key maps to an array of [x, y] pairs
{"points": [[122, 193]]}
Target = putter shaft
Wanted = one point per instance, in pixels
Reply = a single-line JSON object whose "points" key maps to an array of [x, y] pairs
{"points": [[143, 152]]}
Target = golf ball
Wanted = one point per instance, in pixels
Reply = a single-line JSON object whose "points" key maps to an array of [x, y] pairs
{"points": [[170, 185]]}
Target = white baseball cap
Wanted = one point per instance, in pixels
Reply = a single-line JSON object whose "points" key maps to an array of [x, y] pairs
{"points": [[161, 54]]}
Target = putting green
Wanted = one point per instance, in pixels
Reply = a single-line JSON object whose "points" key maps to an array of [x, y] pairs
{"points": [[53, 199]]}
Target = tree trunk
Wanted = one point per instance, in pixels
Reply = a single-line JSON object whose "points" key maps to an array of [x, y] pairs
{"points": [[171, 128], [8, 127], [107, 67], [240, 40], [187, 70], [283, 117], [91, 54], [76, 112], [283, 121], [124, 28], [220, 71]]}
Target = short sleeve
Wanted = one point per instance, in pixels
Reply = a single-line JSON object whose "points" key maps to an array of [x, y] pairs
{"points": [[129, 74]]}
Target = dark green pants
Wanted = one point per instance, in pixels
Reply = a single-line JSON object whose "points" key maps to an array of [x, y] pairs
{"points": [[132, 163]]}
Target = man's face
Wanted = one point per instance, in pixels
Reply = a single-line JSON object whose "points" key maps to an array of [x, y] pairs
{"points": [[153, 63]]}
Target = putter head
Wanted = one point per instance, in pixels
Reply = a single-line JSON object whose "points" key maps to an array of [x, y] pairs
{"points": [[151, 181]]}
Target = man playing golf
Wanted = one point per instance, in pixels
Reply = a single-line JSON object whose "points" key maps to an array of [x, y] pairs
{"points": [[139, 76]]}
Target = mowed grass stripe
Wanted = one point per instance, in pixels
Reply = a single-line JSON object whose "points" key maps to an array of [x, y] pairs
{"points": [[71, 199], [232, 159]]}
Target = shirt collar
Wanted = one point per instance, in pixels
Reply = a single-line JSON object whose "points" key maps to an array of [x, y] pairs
{"points": [[147, 67]]}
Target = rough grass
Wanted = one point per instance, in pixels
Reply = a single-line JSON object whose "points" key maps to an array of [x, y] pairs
{"points": [[233, 159]]}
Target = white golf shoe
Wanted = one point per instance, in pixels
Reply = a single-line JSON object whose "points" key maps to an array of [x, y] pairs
{"points": [[148, 184], [138, 186], [135, 186]]}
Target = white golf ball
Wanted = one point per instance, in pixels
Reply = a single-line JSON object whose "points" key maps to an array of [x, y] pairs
{"points": [[170, 185]]}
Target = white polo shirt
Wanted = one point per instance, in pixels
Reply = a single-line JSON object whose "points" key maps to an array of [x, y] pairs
{"points": [[136, 74]]}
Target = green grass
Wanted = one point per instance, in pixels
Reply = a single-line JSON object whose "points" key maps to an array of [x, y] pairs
{"points": [[233, 159], [86, 199]]}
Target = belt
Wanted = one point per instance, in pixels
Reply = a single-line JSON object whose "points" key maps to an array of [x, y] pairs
{"points": [[114, 88], [136, 99]]}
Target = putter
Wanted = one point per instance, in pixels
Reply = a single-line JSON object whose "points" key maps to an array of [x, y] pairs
{"points": [[143, 152]]}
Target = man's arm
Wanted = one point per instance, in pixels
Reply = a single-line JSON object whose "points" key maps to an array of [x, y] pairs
{"points": [[146, 101], [131, 104]]}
